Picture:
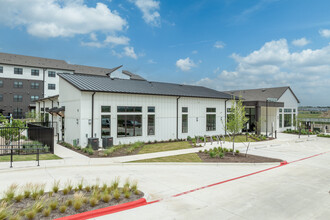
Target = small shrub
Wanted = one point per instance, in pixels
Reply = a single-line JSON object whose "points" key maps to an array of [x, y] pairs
{"points": [[65, 191], [68, 202], [53, 205], [134, 185], [231, 150], [46, 212], [205, 151], [81, 184], [63, 208], [19, 198], [127, 194], [38, 206], [56, 186], [106, 198], [69, 185], [93, 201], [136, 192], [9, 194], [189, 138], [127, 183], [115, 183], [237, 151], [76, 189], [30, 214], [212, 154], [221, 155], [87, 188], [104, 187], [77, 204], [4, 210], [125, 189], [116, 194], [27, 194]]}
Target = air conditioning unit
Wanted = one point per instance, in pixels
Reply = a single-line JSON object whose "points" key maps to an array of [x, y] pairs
{"points": [[94, 143], [107, 142]]}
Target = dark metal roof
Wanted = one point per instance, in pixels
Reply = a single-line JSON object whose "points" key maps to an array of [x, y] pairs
{"points": [[261, 94], [39, 62], [106, 84], [132, 76]]}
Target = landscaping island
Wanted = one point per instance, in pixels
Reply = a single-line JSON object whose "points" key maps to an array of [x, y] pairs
{"points": [[31, 202]]}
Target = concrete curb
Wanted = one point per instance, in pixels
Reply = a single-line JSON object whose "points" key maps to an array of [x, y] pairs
{"points": [[106, 211]]}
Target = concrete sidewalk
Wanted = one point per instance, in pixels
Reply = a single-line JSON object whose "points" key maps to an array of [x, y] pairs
{"points": [[263, 148]]}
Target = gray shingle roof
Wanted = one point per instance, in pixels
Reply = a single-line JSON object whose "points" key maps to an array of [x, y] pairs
{"points": [[106, 84], [21, 60], [260, 94]]}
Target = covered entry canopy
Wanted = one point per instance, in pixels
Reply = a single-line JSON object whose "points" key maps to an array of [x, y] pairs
{"points": [[59, 111]]}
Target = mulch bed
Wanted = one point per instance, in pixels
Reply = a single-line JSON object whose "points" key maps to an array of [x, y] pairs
{"points": [[120, 152], [238, 158], [70, 210]]}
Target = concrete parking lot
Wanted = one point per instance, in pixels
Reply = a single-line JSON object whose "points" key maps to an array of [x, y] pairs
{"points": [[298, 190]]}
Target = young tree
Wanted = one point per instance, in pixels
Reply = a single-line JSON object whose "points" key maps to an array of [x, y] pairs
{"points": [[10, 130], [236, 119]]}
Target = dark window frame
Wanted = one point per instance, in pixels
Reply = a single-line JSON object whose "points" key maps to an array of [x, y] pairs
{"points": [[34, 72], [184, 109], [104, 127], [1, 97], [18, 70], [211, 110], [18, 84], [34, 98], [18, 98], [211, 126], [128, 109], [34, 85], [184, 123], [132, 122], [151, 125], [1, 69], [104, 107], [151, 109], [1, 83], [51, 86], [51, 74]]}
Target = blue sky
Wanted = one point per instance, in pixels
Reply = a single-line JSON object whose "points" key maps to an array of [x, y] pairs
{"points": [[225, 45]]}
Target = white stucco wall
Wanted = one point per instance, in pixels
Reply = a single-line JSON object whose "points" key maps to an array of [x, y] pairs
{"points": [[290, 102]]}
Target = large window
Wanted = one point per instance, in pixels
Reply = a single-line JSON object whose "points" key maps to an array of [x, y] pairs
{"points": [[34, 72], [51, 86], [287, 120], [18, 84], [210, 119], [18, 98], [184, 123], [281, 123], [129, 125], [106, 126], [151, 124], [1, 69], [129, 109], [51, 74], [34, 85], [18, 71]]}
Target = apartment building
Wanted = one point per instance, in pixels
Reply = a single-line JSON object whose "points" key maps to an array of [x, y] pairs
{"points": [[24, 79]]}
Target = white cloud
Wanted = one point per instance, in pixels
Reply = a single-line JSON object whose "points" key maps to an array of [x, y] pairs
{"points": [[185, 64], [325, 33], [92, 44], [274, 65], [300, 42], [194, 52], [114, 40], [151, 61], [129, 51], [219, 45], [57, 18], [93, 37], [149, 8]]}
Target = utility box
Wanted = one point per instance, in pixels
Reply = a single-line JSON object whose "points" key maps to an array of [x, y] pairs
{"points": [[107, 142], [94, 142]]}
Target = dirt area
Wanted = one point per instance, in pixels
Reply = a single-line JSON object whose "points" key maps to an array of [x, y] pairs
{"points": [[238, 158]]}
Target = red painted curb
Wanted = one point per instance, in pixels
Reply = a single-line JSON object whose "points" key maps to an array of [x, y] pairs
{"points": [[106, 210]]}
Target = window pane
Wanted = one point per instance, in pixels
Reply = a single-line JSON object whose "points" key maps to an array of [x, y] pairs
{"points": [[105, 109], [151, 109], [210, 122], [121, 109], [121, 130], [184, 109], [35, 72], [1, 69], [1, 97], [151, 124], [1, 83], [210, 109], [129, 125], [287, 120], [185, 123], [18, 71], [51, 74], [129, 109], [51, 86], [281, 120], [105, 126]]}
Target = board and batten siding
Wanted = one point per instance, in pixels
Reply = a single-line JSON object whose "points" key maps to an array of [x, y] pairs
{"points": [[290, 102]]}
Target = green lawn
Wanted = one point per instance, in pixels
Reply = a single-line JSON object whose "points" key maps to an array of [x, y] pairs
{"points": [[29, 157], [308, 115], [240, 138], [188, 158], [159, 147]]}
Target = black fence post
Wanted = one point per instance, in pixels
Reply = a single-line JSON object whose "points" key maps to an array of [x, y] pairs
{"points": [[11, 157], [38, 156]]}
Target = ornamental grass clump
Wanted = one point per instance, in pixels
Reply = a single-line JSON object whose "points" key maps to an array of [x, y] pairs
{"points": [[127, 194], [81, 184], [46, 212], [78, 200], [53, 204], [87, 188], [127, 183], [56, 186], [4, 210], [93, 201], [69, 202], [134, 185], [19, 198], [63, 208], [31, 214], [106, 197], [115, 183], [116, 194], [9, 194]]}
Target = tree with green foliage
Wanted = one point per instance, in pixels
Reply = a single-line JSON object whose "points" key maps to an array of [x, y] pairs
{"points": [[10, 134], [236, 119]]}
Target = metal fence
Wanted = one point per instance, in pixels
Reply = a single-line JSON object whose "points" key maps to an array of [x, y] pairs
{"points": [[22, 141]]}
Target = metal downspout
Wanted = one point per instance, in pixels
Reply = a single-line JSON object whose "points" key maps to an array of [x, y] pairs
{"points": [[177, 117], [92, 134]]}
